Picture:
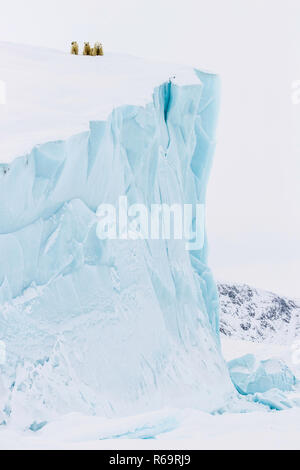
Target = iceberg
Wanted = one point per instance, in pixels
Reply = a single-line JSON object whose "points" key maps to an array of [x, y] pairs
{"points": [[110, 327], [251, 376]]}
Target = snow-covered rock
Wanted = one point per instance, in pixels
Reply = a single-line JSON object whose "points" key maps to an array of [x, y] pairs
{"points": [[257, 315]]}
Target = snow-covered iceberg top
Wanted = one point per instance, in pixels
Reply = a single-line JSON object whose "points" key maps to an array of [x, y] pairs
{"points": [[51, 95]]}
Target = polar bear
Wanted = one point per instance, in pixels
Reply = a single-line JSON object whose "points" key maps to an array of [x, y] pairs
{"points": [[74, 48], [87, 49], [98, 49]]}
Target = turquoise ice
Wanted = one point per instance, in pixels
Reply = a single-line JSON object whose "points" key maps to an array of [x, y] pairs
{"points": [[251, 376]]}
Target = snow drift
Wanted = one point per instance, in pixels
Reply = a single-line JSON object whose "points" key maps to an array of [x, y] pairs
{"points": [[109, 327]]}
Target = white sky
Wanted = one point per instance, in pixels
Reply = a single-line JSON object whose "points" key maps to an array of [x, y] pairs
{"points": [[254, 191]]}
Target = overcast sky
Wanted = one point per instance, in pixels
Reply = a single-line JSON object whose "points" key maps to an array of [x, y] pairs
{"points": [[254, 191]]}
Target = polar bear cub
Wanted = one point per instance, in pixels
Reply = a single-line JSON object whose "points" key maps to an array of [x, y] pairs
{"points": [[87, 50], [74, 48]]}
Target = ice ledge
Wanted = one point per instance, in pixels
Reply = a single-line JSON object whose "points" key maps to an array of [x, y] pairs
{"points": [[52, 95]]}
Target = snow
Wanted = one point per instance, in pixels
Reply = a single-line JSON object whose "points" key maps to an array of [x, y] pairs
{"points": [[52, 95], [196, 430]]}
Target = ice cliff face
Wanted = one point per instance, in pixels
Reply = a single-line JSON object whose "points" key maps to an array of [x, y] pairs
{"points": [[109, 327]]}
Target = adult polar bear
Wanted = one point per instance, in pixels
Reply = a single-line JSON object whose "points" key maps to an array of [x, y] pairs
{"points": [[98, 49]]}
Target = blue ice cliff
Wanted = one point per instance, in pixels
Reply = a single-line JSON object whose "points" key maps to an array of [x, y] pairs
{"points": [[110, 327]]}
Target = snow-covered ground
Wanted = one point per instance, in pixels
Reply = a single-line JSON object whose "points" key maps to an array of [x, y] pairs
{"points": [[197, 430], [52, 95]]}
